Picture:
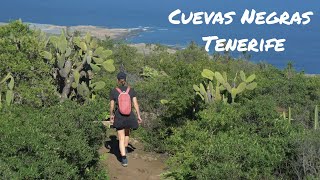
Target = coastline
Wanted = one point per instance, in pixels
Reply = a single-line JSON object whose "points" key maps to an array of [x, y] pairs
{"points": [[96, 31], [100, 33]]}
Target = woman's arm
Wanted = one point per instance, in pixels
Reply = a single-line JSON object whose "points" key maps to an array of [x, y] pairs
{"points": [[136, 106], [111, 111]]}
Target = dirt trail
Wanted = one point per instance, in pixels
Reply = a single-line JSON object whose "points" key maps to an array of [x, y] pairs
{"points": [[142, 165]]}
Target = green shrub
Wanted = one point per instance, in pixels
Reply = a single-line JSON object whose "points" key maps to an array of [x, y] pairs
{"points": [[226, 143], [305, 161], [300, 92], [20, 49], [59, 142]]}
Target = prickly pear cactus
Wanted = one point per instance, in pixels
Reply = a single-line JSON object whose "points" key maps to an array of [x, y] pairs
{"points": [[207, 91], [152, 73], [75, 61], [210, 94], [234, 89], [7, 82]]}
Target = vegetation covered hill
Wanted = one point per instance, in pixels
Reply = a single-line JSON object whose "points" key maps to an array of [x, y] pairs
{"points": [[216, 116]]}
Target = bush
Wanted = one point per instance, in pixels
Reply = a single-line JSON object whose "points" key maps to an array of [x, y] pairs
{"points": [[59, 142], [305, 162], [226, 143], [299, 92], [20, 49]]}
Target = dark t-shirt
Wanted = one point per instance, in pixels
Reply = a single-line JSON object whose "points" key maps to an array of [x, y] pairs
{"points": [[114, 93], [123, 121]]}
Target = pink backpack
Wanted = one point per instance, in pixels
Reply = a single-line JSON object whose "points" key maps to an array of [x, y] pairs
{"points": [[124, 101]]}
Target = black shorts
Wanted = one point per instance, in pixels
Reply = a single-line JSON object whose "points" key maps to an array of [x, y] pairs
{"points": [[125, 122]]}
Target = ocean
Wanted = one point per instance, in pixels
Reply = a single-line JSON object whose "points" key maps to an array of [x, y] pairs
{"points": [[302, 42]]}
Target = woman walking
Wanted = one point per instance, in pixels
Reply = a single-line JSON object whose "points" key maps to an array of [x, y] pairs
{"points": [[121, 116]]}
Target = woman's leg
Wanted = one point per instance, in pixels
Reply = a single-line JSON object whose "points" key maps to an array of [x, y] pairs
{"points": [[126, 140], [121, 137]]}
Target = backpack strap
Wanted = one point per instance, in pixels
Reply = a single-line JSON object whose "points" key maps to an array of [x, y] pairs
{"points": [[128, 89], [119, 90]]}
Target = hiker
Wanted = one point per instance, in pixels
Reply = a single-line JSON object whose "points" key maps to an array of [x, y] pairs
{"points": [[123, 118]]}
